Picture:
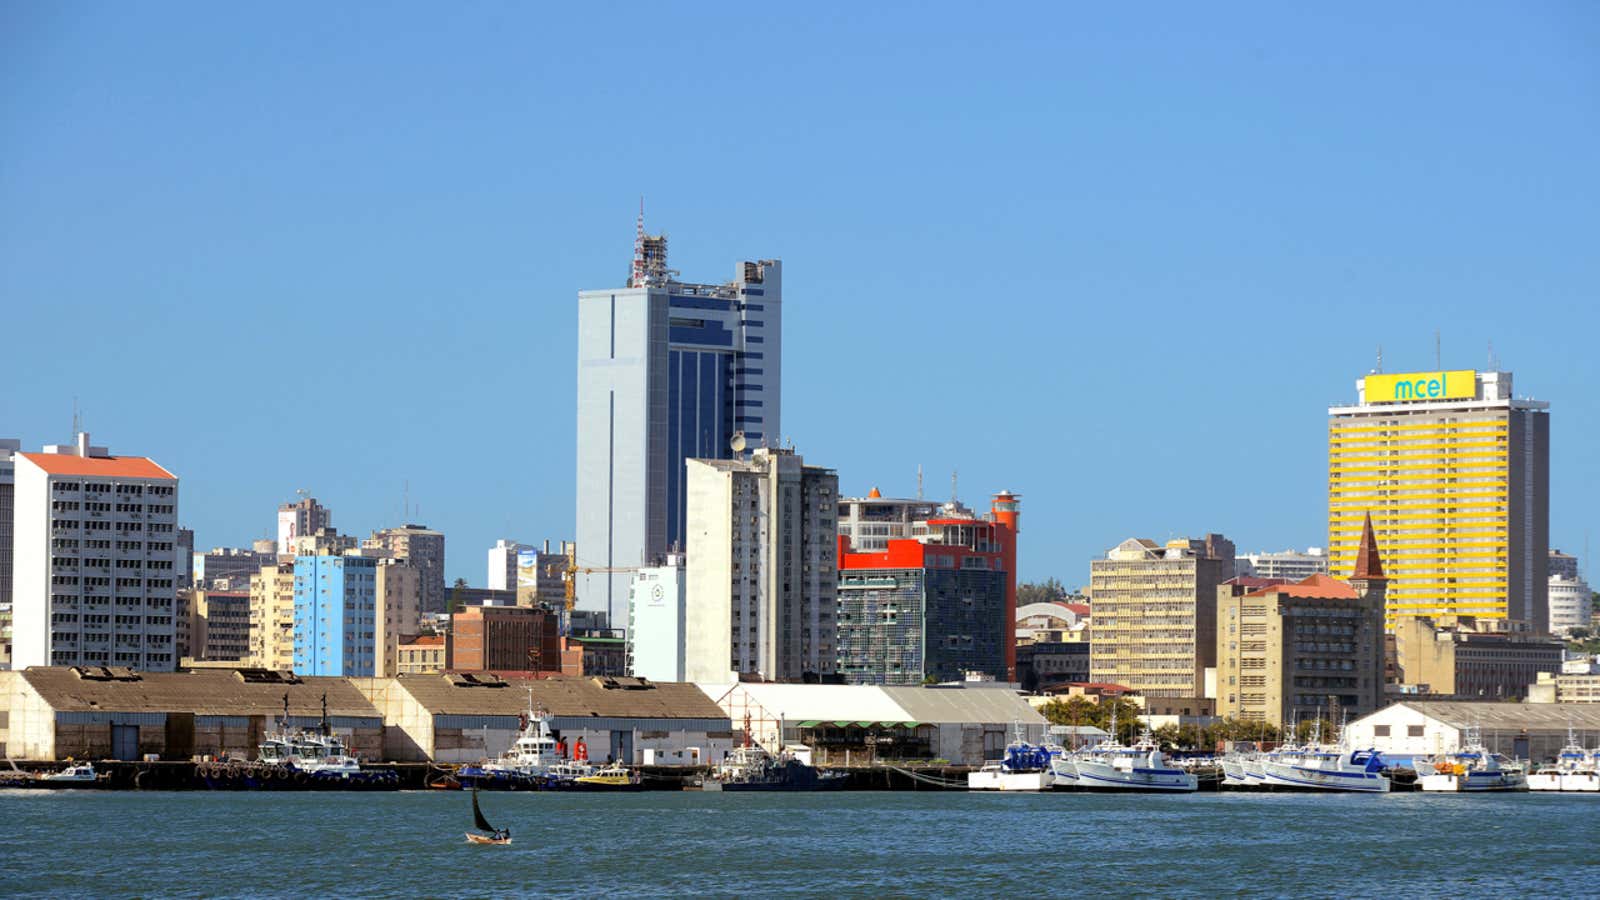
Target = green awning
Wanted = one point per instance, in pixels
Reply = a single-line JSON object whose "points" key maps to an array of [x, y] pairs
{"points": [[844, 724], [811, 724], [865, 724]]}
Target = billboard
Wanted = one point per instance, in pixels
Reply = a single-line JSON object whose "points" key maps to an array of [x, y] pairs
{"points": [[1459, 384], [527, 568]]}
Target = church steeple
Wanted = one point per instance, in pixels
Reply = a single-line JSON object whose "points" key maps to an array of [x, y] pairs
{"points": [[1369, 564]]}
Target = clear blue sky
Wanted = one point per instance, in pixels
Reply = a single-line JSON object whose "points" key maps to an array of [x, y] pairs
{"points": [[1119, 261]]}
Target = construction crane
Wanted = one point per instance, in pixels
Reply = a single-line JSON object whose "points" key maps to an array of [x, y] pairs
{"points": [[571, 571]]}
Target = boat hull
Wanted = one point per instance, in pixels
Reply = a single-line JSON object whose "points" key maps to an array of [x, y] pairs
{"points": [[1009, 781], [481, 839], [1306, 778], [1472, 783], [1101, 777], [254, 777]]}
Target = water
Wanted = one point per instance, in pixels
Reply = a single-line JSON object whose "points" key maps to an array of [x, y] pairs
{"points": [[93, 844]]}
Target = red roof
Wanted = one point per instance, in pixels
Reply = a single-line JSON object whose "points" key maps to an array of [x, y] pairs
{"points": [[1080, 609], [1315, 587], [427, 640], [98, 466], [1253, 582], [1369, 565]]}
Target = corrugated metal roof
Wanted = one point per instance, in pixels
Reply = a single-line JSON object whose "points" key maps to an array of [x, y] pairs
{"points": [[201, 691], [960, 705], [560, 696], [1498, 716]]}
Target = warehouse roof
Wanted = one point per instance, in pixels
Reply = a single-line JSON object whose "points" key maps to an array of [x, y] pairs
{"points": [[961, 705], [622, 698], [214, 692], [1492, 715], [871, 703]]}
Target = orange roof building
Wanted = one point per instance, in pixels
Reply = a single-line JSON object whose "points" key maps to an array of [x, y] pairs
{"points": [[96, 562]]}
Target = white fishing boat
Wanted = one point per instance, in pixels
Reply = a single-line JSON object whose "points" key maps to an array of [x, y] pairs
{"points": [[1573, 770], [1025, 767], [1473, 769], [1328, 768], [1140, 766]]}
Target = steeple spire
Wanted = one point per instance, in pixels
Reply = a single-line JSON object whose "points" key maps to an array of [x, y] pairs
{"points": [[1369, 564]]}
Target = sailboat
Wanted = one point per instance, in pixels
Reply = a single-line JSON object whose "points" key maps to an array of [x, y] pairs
{"points": [[495, 835]]}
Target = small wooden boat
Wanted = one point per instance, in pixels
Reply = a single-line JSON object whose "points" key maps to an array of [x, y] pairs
{"points": [[495, 835]]}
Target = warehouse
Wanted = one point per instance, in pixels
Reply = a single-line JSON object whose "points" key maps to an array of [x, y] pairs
{"points": [[1414, 729], [97, 712], [849, 724], [465, 717]]}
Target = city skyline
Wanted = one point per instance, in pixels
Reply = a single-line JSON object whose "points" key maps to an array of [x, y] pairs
{"points": [[1209, 262]]}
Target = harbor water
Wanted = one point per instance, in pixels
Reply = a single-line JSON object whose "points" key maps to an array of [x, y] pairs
{"points": [[154, 844]]}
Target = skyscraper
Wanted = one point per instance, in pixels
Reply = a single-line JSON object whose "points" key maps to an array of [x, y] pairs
{"points": [[667, 371], [1455, 471]]}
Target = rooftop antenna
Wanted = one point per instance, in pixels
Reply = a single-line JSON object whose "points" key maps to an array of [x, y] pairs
{"points": [[1436, 356], [919, 484], [77, 418], [1493, 366], [954, 495], [636, 279], [1380, 359]]}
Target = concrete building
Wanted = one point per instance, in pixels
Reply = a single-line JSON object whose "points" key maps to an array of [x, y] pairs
{"points": [[871, 522], [967, 724], [762, 569], [423, 548], [184, 562], [329, 542], [934, 609], [93, 576], [1562, 565], [96, 712], [667, 371], [503, 565], [1571, 604], [422, 655], [301, 518], [1411, 730], [272, 617], [1453, 659], [504, 639], [9, 447], [1303, 649], [335, 616], [1155, 616], [541, 576], [218, 626], [225, 564], [465, 717], [1287, 565], [461, 596], [1041, 664], [657, 606], [1566, 687], [1455, 471], [399, 611]]}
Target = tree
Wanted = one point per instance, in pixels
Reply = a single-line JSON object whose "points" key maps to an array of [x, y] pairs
{"points": [[1048, 591]]}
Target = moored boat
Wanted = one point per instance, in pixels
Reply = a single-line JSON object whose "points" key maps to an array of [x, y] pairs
{"points": [[1472, 769], [1328, 768]]}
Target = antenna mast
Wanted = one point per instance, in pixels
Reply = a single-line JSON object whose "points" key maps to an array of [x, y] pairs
{"points": [[954, 494], [919, 481], [1380, 359], [1436, 355]]}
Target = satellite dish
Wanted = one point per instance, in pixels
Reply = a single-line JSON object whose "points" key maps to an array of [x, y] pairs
{"points": [[736, 443]]}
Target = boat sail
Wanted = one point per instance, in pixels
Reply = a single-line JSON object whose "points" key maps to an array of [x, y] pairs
{"points": [[495, 835]]}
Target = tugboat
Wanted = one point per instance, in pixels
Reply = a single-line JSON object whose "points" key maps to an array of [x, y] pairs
{"points": [[751, 768], [307, 759], [1473, 768], [525, 765]]}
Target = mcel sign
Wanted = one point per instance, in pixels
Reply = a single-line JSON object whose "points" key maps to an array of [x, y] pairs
{"points": [[1461, 384]]}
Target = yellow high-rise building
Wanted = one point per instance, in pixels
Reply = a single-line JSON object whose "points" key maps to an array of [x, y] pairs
{"points": [[1455, 471]]}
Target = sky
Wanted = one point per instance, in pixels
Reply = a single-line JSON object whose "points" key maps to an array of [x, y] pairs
{"points": [[1117, 260]]}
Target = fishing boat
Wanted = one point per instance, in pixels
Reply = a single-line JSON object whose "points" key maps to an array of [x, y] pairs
{"points": [[307, 758], [494, 835], [751, 768], [1024, 767], [1573, 770], [1473, 769], [1323, 767], [1140, 766]]}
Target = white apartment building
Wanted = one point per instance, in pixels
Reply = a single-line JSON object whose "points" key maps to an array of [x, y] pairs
{"points": [[95, 582], [1288, 565], [656, 609], [503, 565], [1571, 604], [762, 570]]}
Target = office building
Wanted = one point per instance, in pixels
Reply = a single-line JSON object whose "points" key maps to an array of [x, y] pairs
{"points": [[1154, 627], [93, 574], [542, 574], [1571, 604], [303, 517], [423, 548], [1561, 565], [1455, 471], [218, 625], [1302, 649], [504, 639], [657, 605], [667, 371], [272, 617], [931, 609], [226, 564], [184, 563], [399, 611], [762, 570], [9, 447], [1287, 565], [871, 522], [1469, 658]]}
